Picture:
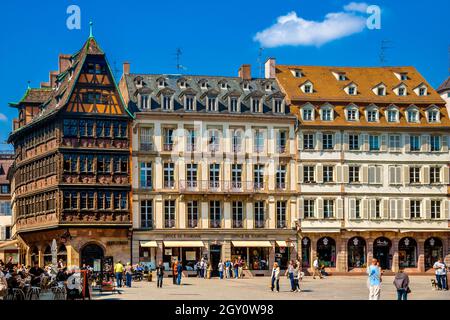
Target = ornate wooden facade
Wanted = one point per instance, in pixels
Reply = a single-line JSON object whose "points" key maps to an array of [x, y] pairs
{"points": [[71, 178]]}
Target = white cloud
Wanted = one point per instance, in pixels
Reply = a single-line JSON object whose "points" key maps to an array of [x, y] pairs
{"points": [[356, 7], [297, 31], [3, 118]]}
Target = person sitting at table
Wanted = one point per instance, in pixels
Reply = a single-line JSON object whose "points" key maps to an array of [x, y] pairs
{"points": [[36, 270]]}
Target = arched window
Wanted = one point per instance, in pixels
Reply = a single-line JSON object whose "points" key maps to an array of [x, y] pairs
{"points": [[306, 252], [407, 253], [326, 251], [433, 251], [381, 252], [47, 256], [356, 248]]}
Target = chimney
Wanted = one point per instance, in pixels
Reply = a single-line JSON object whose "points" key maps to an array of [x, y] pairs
{"points": [[269, 68], [53, 75], [245, 72], [64, 62], [126, 68]]}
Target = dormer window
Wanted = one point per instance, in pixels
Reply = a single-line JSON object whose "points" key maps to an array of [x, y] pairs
{"points": [[421, 90], [268, 87], [352, 91], [204, 85], [403, 76], [342, 77], [308, 88], [392, 115], [161, 83], [372, 114], [211, 103], [297, 73], [223, 86], [166, 102], [278, 106], [326, 114], [308, 113], [433, 115], [182, 84], [402, 91], [255, 105], [144, 102], [234, 104], [245, 86], [380, 91], [189, 103], [413, 115], [352, 113]]}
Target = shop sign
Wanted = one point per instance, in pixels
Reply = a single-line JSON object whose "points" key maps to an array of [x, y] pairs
{"points": [[382, 243], [325, 241]]}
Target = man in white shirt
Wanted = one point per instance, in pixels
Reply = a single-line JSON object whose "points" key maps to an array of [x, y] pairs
{"points": [[316, 268], [441, 274]]}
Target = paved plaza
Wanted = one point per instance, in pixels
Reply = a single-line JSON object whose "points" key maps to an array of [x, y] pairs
{"points": [[331, 288]]}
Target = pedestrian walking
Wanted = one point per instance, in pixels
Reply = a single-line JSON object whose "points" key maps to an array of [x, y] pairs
{"points": [[128, 274], [441, 274], [240, 267], [374, 281], [159, 274], [197, 268], [316, 268], [227, 269], [204, 269], [179, 272], [174, 271], [290, 274], [275, 280], [401, 283], [297, 276], [220, 268], [118, 270]]}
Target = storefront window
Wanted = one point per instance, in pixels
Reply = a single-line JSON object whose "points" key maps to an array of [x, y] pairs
{"points": [[433, 251], [326, 251], [282, 256], [381, 252], [306, 252], [407, 253], [188, 257], [356, 253], [254, 258]]}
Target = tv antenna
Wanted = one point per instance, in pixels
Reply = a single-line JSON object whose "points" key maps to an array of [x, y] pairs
{"points": [[383, 48], [178, 55], [260, 62]]}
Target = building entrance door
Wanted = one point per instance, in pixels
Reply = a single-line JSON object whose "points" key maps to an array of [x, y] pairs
{"points": [[215, 252], [381, 249], [90, 253]]}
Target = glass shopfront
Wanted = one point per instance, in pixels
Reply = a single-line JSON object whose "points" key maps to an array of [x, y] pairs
{"points": [[147, 256], [326, 251], [381, 252], [282, 256], [356, 253], [407, 253], [306, 252], [255, 258], [189, 257], [433, 251]]}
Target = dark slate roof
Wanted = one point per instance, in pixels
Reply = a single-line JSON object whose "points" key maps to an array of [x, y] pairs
{"points": [[445, 86], [234, 87], [5, 164]]}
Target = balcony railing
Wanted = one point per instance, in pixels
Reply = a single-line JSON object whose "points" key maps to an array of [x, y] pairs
{"points": [[215, 224], [219, 186], [169, 223], [192, 223], [238, 224], [146, 147], [191, 147], [281, 149], [258, 185], [168, 146], [259, 224], [280, 186], [169, 184]]}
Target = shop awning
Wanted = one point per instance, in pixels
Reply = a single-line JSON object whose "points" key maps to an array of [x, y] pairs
{"points": [[184, 244], [321, 231], [149, 244], [284, 244], [423, 230], [253, 244], [8, 245]]}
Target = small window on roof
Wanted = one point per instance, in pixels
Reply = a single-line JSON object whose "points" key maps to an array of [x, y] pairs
{"points": [[342, 77], [182, 84], [381, 91], [245, 85], [404, 76]]}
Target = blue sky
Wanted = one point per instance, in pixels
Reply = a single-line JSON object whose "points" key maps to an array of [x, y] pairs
{"points": [[216, 37]]}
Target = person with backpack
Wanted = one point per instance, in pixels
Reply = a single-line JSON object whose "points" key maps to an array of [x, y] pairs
{"points": [[401, 283], [374, 281]]}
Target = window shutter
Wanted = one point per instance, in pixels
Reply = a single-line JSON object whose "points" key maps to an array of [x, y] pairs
{"points": [[385, 209], [340, 209], [345, 146], [320, 208], [425, 175], [445, 174], [345, 169], [300, 141], [365, 174], [425, 147], [383, 142], [407, 209], [398, 174], [300, 173], [337, 141], [352, 208], [392, 175], [365, 142], [427, 209], [319, 173], [2, 233], [372, 208], [445, 210], [407, 143], [301, 209], [318, 141], [365, 208], [378, 174], [393, 208], [445, 143], [406, 175], [338, 174], [399, 209]]}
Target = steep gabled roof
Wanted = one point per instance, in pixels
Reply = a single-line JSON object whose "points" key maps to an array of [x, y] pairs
{"points": [[445, 86]]}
